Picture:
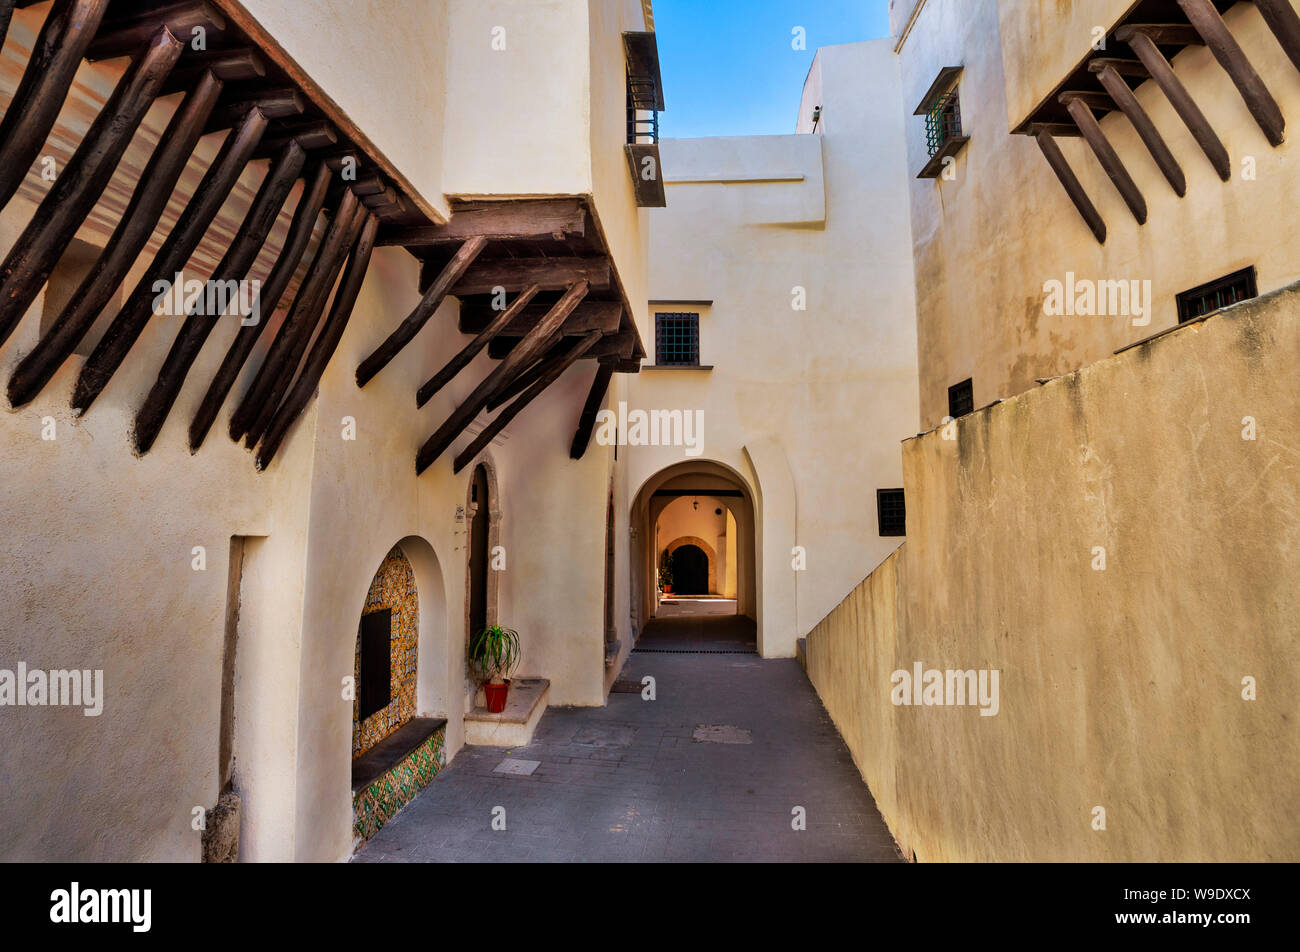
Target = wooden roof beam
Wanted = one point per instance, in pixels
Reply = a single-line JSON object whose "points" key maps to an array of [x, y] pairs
{"points": [[130, 322], [286, 349], [591, 408], [82, 180], [310, 203], [68, 29], [550, 274], [1285, 24], [327, 342], [122, 36], [541, 220], [588, 316], [429, 303], [474, 347], [519, 358], [234, 266], [1107, 156], [552, 374], [1209, 24], [129, 238], [1056, 159], [1144, 45], [1146, 129]]}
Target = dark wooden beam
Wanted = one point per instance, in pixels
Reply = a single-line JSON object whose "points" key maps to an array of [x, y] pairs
{"points": [[1146, 129], [515, 274], [546, 219], [345, 298], [620, 344], [553, 351], [79, 185], [68, 29], [1109, 159], [472, 349], [502, 419], [1145, 47], [588, 316], [1163, 34], [6, 14], [1285, 24], [229, 66], [128, 239], [297, 324], [176, 249], [273, 103], [1055, 158], [233, 267], [312, 136], [305, 214], [416, 320], [1125, 67], [590, 409], [294, 358], [1205, 18], [121, 36], [519, 358], [1092, 100]]}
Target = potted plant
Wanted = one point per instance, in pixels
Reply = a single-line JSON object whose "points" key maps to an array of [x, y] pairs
{"points": [[666, 573], [493, 655]]}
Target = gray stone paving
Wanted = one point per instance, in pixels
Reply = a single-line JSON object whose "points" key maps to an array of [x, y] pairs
{"points": [[629, 782]]}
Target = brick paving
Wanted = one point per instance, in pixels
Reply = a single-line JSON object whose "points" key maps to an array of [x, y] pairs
{"points": [[629, 782]]}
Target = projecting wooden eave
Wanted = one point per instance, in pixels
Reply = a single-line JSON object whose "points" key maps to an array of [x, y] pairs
{"points": [[1140, 48]]}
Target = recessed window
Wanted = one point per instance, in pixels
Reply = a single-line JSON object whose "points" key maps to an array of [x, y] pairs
{"points": [[677, 340], [941, 108], [891, 512], [1238, 286], [961, 399], [376, 680]]}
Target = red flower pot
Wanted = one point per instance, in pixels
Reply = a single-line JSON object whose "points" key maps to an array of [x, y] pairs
{"points": [[496, 696]]}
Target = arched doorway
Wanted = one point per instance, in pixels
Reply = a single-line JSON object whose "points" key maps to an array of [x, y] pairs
{"points": [[690, 570], [696, 519], [478, 551]]}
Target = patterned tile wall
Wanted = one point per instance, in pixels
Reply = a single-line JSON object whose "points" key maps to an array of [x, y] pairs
{"points": [[378, 803], [393, 588]]}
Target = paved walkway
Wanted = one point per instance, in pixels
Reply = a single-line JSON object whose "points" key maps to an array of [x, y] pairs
{"points": [[709, 771]]}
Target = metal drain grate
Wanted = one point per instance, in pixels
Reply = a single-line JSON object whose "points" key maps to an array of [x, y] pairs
{"points": [[624, 686], [748, 651]]}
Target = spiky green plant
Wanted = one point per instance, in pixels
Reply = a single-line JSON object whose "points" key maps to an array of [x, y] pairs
{"points": [[494, 653]]}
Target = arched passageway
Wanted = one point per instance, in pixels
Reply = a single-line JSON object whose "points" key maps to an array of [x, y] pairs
{"points": [[690, 567], [694, 546]]}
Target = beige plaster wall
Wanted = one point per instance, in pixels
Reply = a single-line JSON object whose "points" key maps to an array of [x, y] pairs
{"points": [[810, 405], [1120, 688], [1043, 41], [988, 240], [384, 62]]}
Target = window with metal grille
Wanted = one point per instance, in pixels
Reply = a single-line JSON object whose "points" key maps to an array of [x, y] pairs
{"points": [[1238, 286], [961, 399], [891, 510], [677, 339], [942, 121], [642, 123]]}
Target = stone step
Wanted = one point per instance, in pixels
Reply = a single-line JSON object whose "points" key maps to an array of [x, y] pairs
{"points": [[513, 727]]}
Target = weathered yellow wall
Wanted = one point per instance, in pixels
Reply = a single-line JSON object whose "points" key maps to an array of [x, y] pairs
{"points": [[1119, 688], [986, 241], [1043, 41]]}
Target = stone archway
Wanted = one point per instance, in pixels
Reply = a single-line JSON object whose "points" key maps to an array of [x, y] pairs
{"points": [[709, 553]]}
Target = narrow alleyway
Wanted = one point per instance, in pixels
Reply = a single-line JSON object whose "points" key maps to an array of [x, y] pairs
{"points": [[711, 770]]}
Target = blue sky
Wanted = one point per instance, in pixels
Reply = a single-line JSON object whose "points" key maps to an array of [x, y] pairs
{"points": [[728, 66]]}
